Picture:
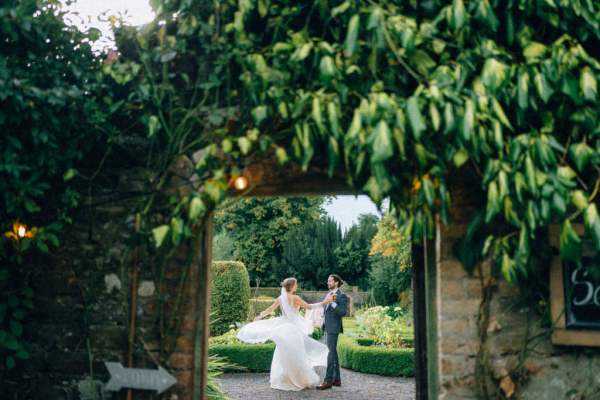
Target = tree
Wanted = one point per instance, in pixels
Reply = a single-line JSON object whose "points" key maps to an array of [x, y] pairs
{"points": [[390, 273], [353, 254], [258, 228], [309, 253]]}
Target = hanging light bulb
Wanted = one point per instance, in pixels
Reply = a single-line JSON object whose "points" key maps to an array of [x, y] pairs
{"points": [[21, 230], [240, 183]]}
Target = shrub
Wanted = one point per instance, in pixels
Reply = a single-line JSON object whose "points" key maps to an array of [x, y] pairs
{"points": [[259, 304], [376, 323], [230, 294], [375, 359], [252, 357], [317, 333], [387, 279]]}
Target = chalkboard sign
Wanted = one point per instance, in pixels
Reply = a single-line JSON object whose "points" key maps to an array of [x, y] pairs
{"points": [[575, 295], [582, 294]]}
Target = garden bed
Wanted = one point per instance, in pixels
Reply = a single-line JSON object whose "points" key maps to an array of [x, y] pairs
{"points": [[372, 359]]}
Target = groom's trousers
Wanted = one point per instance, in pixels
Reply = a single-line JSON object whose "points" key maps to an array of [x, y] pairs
{"points": [[333, 363]]}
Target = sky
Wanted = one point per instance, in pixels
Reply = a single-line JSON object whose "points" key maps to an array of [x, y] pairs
{"points": [[346, 209], [95, 13]]}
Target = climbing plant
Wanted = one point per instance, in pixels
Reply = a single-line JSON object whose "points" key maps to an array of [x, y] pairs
{"points": [[399, 96]]}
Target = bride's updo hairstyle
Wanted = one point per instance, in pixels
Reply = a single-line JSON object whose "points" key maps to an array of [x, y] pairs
{"points": [[288, 284]]}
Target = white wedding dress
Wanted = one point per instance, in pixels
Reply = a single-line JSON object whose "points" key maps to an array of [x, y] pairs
{"points": [[296, 353]]}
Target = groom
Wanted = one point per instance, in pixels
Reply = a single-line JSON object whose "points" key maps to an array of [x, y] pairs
{"points": [[336, 305]]}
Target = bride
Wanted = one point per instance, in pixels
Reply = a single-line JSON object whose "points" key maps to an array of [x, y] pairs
{"points": [[296, 353]]}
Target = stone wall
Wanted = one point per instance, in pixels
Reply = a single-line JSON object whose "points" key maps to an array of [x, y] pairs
{"points": [[82, 304], [544, 371]]}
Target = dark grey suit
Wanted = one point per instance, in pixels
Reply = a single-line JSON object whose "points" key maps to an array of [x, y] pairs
{"points": [[332, 326]]}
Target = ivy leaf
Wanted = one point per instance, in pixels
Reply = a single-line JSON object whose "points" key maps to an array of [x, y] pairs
{"points": [[382, 143], [592, 223], [281, 155], [499, 111], [434, 114], [458, 17], [580, 154], [428, 191], [507, 268], [244, 144], [69, 174], [159, 233], [259, 114], [523, 90], [333, 155], [494, 73], [415, 118], [570, 243], [302, 52], [460, 157], [486, 14], [588, 84], [579, 199], [468, 119], [197, 209], [352, 36], [153, 125], [534, 52], [542, 86]]}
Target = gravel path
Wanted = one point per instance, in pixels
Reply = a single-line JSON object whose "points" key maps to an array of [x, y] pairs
{"points": [[355, 386]]}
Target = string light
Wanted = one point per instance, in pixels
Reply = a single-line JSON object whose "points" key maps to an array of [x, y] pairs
{"points": [[21, 231], [240, 183]]}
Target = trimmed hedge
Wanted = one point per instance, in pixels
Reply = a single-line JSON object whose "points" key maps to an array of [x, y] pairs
{"points": [[375, 359], [252, 357], [230, 295]]}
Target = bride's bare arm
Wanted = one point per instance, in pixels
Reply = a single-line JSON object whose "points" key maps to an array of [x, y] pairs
{"points": [[269, 310], [299, 302]]}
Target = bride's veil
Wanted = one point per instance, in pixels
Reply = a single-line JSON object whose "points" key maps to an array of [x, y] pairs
{"points": [[304, 323]]}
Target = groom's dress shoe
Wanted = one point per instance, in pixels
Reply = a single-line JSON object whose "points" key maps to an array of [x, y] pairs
{"points": [[337, 383], [325, 385]]}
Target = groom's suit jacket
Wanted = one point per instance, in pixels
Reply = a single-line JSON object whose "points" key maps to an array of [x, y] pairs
{"points": [[332, 323]]}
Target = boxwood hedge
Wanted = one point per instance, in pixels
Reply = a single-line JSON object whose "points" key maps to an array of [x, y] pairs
{"points": [[375, 359], [251, 357]]}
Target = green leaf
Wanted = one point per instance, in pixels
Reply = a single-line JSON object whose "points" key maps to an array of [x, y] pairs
{"points": [[507, 268], [592, 223], [244, 144], [468, 119], [523, 90], [10, 362], [428, 191], [542, 86], [580, 154], [11, 342], [259, 114], [302, 52], [352, 36], [327, 68], [317, 115], [69, 174], [570, 243], [382, 143], [588, 84], [282, 156], [434, 114], [534, 52], [215, 189], [153, 125], [333, 155], [159, 233], [499, 111], [486, 14], [415, 118], [494, 73], [579, 199], [42, 246], [459, 14], [197, 208], [460, 157]]}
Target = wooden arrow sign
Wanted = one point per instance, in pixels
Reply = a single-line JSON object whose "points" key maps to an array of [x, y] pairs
{"points": [[138, 378]]}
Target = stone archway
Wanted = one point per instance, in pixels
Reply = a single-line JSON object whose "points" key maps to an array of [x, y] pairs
{"points": [[268, 180]]}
